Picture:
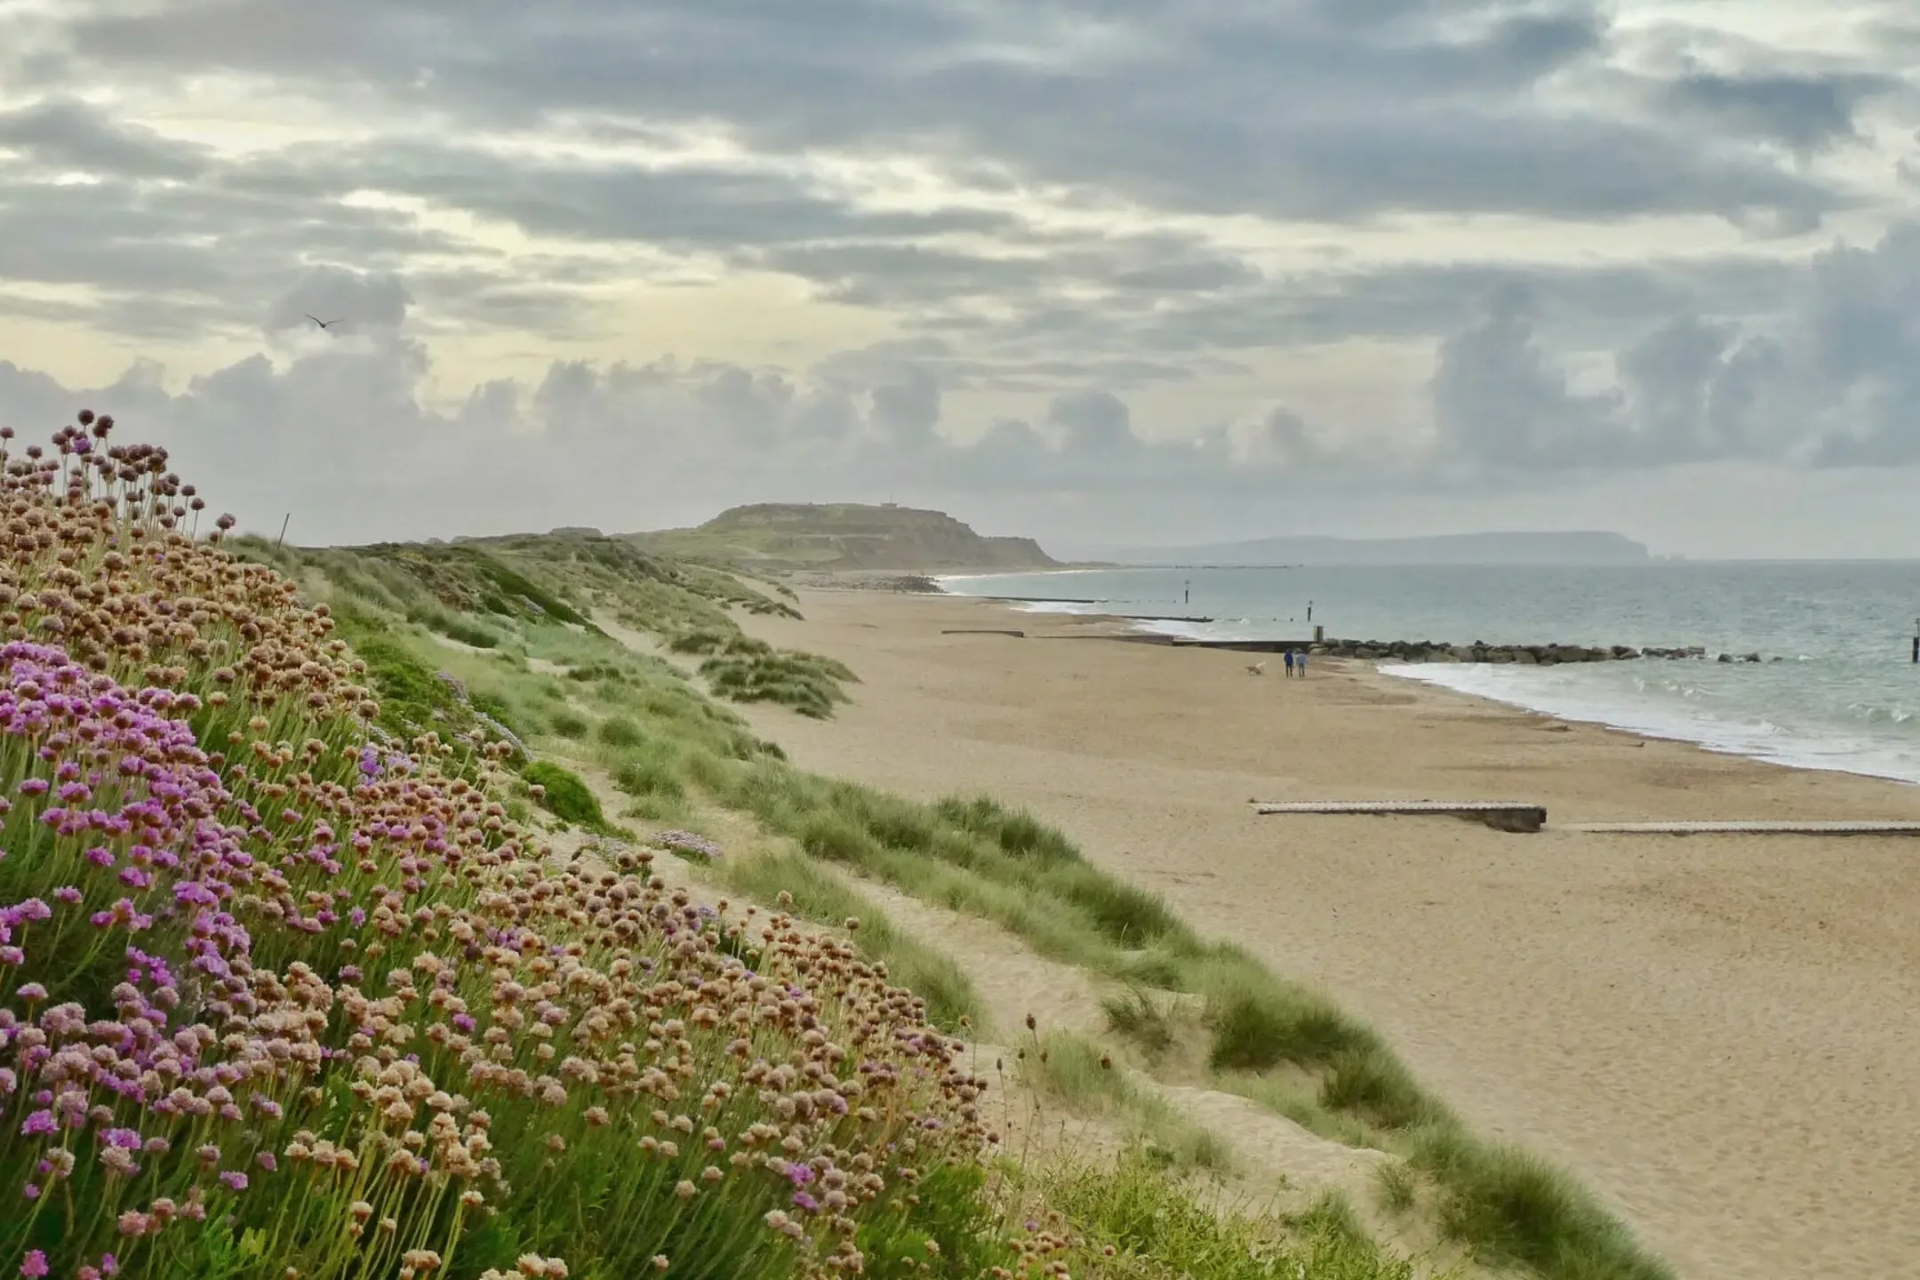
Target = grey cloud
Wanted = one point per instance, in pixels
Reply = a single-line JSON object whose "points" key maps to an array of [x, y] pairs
{"points": [[1829, 379], [1097, 425], [713, 207], [1319, 109], [342, 433], [1315, 110], [1807, 112], [175, 260], [1499, 401], [67, 133], [343, 300]]}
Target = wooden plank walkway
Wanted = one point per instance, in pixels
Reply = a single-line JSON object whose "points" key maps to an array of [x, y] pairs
{"points": [[1745, 828], [1499, 814]]}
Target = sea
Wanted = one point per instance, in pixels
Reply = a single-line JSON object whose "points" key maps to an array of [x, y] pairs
{"points": [[1844, 696]]}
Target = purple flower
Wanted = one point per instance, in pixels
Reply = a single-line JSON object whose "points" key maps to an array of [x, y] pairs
{"points": [[805, 1202], [38, 1122], [235, 1180], [34, 1266]]}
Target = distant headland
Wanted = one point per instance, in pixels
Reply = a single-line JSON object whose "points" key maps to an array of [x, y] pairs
{"points": [[845, 536]]}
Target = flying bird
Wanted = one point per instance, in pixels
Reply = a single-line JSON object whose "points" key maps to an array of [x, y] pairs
{"points": [[324, 324]]}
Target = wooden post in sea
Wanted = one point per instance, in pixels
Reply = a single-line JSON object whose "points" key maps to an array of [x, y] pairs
{"points": [[1916, 640]]}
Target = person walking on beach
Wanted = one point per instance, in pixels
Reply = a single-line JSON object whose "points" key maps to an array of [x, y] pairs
{"points": [[1287, 659], [1300, 664]]}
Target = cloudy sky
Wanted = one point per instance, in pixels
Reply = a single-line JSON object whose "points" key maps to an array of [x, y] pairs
{"points": [[1105, 271]]}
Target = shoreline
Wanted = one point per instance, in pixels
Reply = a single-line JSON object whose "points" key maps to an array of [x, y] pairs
{"points": [[1862, 758], [1697, 1028]]}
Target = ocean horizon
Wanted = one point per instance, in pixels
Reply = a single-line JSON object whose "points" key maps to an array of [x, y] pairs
{"points": [[1844, 694]]}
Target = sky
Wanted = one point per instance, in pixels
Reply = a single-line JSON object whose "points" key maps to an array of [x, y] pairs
{"points": [[1105, 272]]}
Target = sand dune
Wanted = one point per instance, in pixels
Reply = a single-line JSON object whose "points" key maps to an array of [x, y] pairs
{"points": [[1720, 1034]]}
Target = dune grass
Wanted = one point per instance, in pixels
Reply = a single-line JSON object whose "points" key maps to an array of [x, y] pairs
{"points": [[1069, 1068], [972, 854], [1136, 1223], [1277, 1042], [1141, 1018]]}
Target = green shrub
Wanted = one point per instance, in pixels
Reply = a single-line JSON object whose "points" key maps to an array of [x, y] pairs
{"points": [[567, 796], [1258, 1023], [1513, 1208], [1016, 831], [621, 731], [1369, 1082]]}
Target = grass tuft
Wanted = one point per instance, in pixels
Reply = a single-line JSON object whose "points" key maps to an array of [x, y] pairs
{"points": [[1135, 1015], [1397, 1189], [1510, 1207], [1136, 1223], [566, 796]]}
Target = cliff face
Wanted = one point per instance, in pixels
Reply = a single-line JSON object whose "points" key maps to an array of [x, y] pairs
{"points": [[848, 536]]}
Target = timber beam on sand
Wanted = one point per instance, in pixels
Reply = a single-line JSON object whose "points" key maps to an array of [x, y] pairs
{"points": [[1499, 814], [1047, 599], [1746, 828], [981, 631]]}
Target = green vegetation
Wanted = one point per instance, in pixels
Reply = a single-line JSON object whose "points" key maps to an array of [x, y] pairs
{"points": [[1139, 1224], [565, 795], [307, 1000], [674, 754], [1072, 1069]]}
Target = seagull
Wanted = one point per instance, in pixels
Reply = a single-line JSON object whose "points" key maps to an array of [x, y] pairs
{"points": [[324, 324]]}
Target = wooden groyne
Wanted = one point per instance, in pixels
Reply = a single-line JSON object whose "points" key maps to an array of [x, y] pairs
{"points": [[1045, 599], [1528, 819], [1501, 815]]}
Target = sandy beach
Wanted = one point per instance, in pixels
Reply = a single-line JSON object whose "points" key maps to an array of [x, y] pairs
{"points": [[1720, 1035]]}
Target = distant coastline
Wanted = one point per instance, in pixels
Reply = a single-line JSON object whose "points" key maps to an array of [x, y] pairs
{"points": [[1550, 548]]}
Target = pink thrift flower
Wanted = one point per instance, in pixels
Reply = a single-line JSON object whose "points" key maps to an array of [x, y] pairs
{"points": [[35, 1265]]}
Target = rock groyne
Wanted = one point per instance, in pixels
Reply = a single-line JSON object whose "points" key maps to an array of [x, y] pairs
{"points": [[1544, 655]]}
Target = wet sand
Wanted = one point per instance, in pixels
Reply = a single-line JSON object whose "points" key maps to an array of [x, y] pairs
{"points": [[1720, 1035]]}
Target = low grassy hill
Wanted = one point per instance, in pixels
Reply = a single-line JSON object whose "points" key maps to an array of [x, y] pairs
{"points": [[844, 536]]}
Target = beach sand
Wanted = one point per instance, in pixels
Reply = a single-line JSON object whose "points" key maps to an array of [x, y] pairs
{"points": [[1720, 1035]]}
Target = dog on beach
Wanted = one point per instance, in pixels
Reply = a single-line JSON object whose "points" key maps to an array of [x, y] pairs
{"points": [[1256, 669]]}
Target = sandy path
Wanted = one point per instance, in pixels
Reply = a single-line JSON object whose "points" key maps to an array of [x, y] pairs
{"points": [[1722, 1035]]}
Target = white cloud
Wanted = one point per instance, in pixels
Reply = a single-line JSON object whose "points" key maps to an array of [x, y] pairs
{"points": [[991, 254]]}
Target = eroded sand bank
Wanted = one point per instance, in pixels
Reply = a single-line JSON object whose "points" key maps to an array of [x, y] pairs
{"points": [[1721, 1035]]}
